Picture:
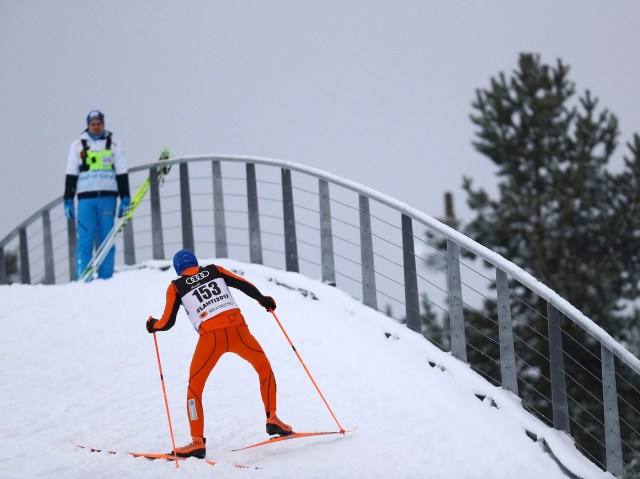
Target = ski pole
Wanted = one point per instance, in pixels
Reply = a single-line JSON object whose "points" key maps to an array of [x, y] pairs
{"points": [[342, 431], [166, 404]]}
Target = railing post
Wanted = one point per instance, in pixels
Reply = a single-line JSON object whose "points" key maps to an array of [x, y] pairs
{"points": [[3, 267], [157, 237], [558, 380], [326, 234], [185, 203], [255, 241], [72, 242], [220, 229], [49, 269], [505, 334], [456, 311], [128, 243], [25, 274], [290, 241], [369, 294], [613, 440], [411, 296]]}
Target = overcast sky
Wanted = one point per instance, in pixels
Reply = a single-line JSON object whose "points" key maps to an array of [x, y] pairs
{"points": [[378, 92]]}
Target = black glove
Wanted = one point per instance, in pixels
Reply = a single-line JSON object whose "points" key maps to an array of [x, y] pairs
{"points": [[150, 323], [268, 303]]}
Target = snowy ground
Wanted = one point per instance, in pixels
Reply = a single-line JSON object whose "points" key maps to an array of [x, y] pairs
{"points": [[76, 363]]}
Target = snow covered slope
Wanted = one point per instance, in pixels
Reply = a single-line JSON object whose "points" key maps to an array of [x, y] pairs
{"points": [[77, 364]]}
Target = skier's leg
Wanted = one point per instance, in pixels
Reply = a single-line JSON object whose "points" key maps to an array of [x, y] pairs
{"points": [[245, 345], [211, 346], [87, 227], [106, 216]]}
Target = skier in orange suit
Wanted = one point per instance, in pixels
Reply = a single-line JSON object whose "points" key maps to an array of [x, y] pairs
{"points": [[204, 293]]}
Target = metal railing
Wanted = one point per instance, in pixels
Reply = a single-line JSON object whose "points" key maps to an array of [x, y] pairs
{"points": [[391, 257]]}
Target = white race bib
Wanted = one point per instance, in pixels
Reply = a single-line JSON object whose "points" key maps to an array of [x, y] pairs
{"points": [[208, 300]]}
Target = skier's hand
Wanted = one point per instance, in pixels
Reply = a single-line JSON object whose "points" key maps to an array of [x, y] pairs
{"points": [[69, 209], [268, 303], [124, 204], [150, 323]]}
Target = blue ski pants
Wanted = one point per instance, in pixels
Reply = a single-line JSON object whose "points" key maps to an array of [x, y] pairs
{"points": [[95, 220]]}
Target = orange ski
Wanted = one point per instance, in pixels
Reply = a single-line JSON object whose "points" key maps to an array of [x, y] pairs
{"points": [[151, 456], [168, 457], [294, 435]]}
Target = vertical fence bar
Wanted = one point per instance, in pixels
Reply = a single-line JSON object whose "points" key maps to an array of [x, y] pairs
{"points": [[411, 296], [290, 241], [613, 440], [49, 268], [219, 223], [505, 333], [369, 293], [157, 237], [25, 274], [255, 241], [3, 267], [185, 202], [456, 312], [558, 381], [326, 234], [72, 241], [129, 244]]}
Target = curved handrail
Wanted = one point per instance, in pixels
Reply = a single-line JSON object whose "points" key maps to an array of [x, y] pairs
{"points": [[469, 244]]}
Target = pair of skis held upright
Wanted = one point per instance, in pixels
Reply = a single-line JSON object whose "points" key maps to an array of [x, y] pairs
{"points": [[106, 245]]}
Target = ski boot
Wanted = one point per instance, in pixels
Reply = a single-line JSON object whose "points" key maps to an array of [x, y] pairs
{"points": [[197, 448], [276, 427]]}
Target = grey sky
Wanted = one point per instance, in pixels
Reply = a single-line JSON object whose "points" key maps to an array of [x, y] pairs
{"points": [[378, 92]]}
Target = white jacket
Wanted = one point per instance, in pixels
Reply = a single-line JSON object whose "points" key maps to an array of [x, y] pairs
{"points": [[96, 180]]}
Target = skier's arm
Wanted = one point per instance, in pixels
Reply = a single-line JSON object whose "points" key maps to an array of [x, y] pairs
{"points": [[73, 170], [171, 308], [119, 158], [120, 166], [242, 284], [247, 288], [123, 185], [74, 159], [70, 183]]}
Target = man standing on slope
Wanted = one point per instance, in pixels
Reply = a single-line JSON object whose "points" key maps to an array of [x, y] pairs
{"points": [[97, 172], [204, 293]]}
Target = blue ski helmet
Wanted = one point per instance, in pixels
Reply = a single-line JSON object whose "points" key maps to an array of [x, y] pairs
{"points": [[184, 259]]}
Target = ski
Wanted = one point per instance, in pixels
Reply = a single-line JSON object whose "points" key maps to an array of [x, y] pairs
{"points": [[295, 435], [104, 248], [152, 456], [166, 457]]}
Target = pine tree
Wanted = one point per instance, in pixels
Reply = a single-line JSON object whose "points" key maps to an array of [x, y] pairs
{"points": [[561, 216]]}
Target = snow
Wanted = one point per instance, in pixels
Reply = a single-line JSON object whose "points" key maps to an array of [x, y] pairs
{"points": [[78, 365]]}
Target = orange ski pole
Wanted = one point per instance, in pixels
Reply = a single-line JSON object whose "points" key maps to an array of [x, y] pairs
{"points": [[342, 431], [166, 403]]}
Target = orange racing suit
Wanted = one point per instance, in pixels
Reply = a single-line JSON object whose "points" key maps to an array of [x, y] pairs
{"points": [[204, 293]]}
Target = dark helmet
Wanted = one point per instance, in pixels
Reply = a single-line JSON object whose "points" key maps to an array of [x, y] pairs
{"points": [[184, 259], [95, 115]]}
